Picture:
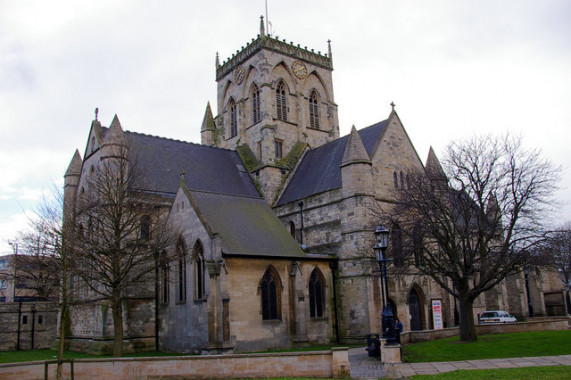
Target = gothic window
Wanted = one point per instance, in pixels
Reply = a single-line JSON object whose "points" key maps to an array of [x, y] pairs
{"points": [[198, 256], [316, 294], [396, 245], [278, 144], [256, 114], [164, 278], [396, 180], [408, 181], [401, 180], [233, 118], [181, 272], [313, 110], [271, 292], [281, 105], [145, 227]]}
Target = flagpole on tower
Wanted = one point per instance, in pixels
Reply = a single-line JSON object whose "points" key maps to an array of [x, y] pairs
{"points": [[267, 28]]}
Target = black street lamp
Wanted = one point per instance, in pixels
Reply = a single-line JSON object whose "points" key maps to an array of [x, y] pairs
{"points": [[388, 321]]}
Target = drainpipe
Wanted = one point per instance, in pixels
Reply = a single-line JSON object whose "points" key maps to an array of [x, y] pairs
{"points": [[157, 261], [19, 325], [33, 323], [300, 204], [333, 266]]}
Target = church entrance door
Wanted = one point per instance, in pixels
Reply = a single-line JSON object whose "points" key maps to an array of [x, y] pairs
{"points": [[414, 307]]}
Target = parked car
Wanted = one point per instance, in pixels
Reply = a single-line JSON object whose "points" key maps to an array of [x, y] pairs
{"points": [[496, 316]]}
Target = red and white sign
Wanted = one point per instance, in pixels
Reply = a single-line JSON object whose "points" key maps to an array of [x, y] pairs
{"points": [[437, 314]]}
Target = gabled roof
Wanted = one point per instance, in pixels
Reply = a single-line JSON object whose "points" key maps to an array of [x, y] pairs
{"points": [[161, 161], [246, 226], [320, 169]]}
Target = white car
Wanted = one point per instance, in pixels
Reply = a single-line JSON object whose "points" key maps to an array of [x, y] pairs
{"points": [[496, 316]]}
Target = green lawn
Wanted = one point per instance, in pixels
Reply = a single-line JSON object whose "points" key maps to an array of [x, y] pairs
{"points": [[527, 373], [537, 343]]}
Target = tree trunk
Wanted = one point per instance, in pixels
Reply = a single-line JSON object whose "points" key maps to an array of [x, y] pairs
{"points": [[467, 326], [117, 308], [61, 344]]}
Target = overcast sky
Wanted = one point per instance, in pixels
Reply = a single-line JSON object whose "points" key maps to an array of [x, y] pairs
{"points": [[454, 69]]}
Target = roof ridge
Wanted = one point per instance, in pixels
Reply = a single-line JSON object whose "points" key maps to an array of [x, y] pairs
{"points": [[176, 140]]}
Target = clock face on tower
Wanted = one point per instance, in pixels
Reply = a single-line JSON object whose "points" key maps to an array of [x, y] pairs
{"points": [[299, 69], [239, 74]]}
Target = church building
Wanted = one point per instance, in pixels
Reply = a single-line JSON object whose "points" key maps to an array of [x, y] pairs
{"points": [[275, 214]]}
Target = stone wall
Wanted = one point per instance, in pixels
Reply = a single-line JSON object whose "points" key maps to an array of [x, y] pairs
{"points": [[562, 323], [326, 364], [39, 326]]}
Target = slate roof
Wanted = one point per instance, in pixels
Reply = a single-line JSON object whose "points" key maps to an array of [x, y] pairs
{"points": [[206, 168], [320, 169], [247, 226]]}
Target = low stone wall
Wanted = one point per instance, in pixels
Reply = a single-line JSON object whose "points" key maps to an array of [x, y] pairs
{"points": [[22, 324], [325, 364], [555, 323]]}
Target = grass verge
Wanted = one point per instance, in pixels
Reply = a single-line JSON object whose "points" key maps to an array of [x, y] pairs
{"points": [[47, 354], [527, 373], [536, 343]]}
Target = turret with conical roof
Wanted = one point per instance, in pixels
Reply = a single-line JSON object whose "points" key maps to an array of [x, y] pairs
{"points": [[71, 181], [356, 167], [114, 144], [208, 131]]}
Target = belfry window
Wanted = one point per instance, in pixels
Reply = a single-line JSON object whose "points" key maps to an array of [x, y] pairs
{"points": [[256, 114], [313, 111], [233, 119], [198, 255], [270, 290], [281, 105], [316, 294]]}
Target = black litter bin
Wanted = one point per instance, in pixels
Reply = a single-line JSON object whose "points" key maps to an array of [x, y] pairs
{"points": [[373, 345]]}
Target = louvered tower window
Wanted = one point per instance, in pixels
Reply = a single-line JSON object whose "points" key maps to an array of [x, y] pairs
{"points": [[281, 102], [256, 114], [233, 119], [313, 111]]}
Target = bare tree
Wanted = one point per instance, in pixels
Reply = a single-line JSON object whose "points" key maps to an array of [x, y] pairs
{"points": [[474, 220], [559, 250], [120, 231], [44, 266]]}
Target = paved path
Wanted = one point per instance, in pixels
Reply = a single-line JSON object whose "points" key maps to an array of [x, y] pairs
{"points": [[364, 367]]}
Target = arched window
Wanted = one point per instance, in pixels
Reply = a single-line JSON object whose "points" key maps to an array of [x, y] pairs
{"points": [[181, 271], [145, 227], [271, 292], [396, 180], [256, 114], [402, 180], [198, 257], [233, 118], [164, 278], [292, 228], [316, 294], [281, 106], [313, 110]]}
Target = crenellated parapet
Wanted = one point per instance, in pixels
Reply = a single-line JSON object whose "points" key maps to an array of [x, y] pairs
{"points": [[271, 43]]}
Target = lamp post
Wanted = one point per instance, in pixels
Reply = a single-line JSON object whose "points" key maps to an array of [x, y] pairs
{"points": [[382, 236]]}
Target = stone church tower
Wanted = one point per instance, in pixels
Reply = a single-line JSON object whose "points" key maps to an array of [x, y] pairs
{"points": [[274, 99]]}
